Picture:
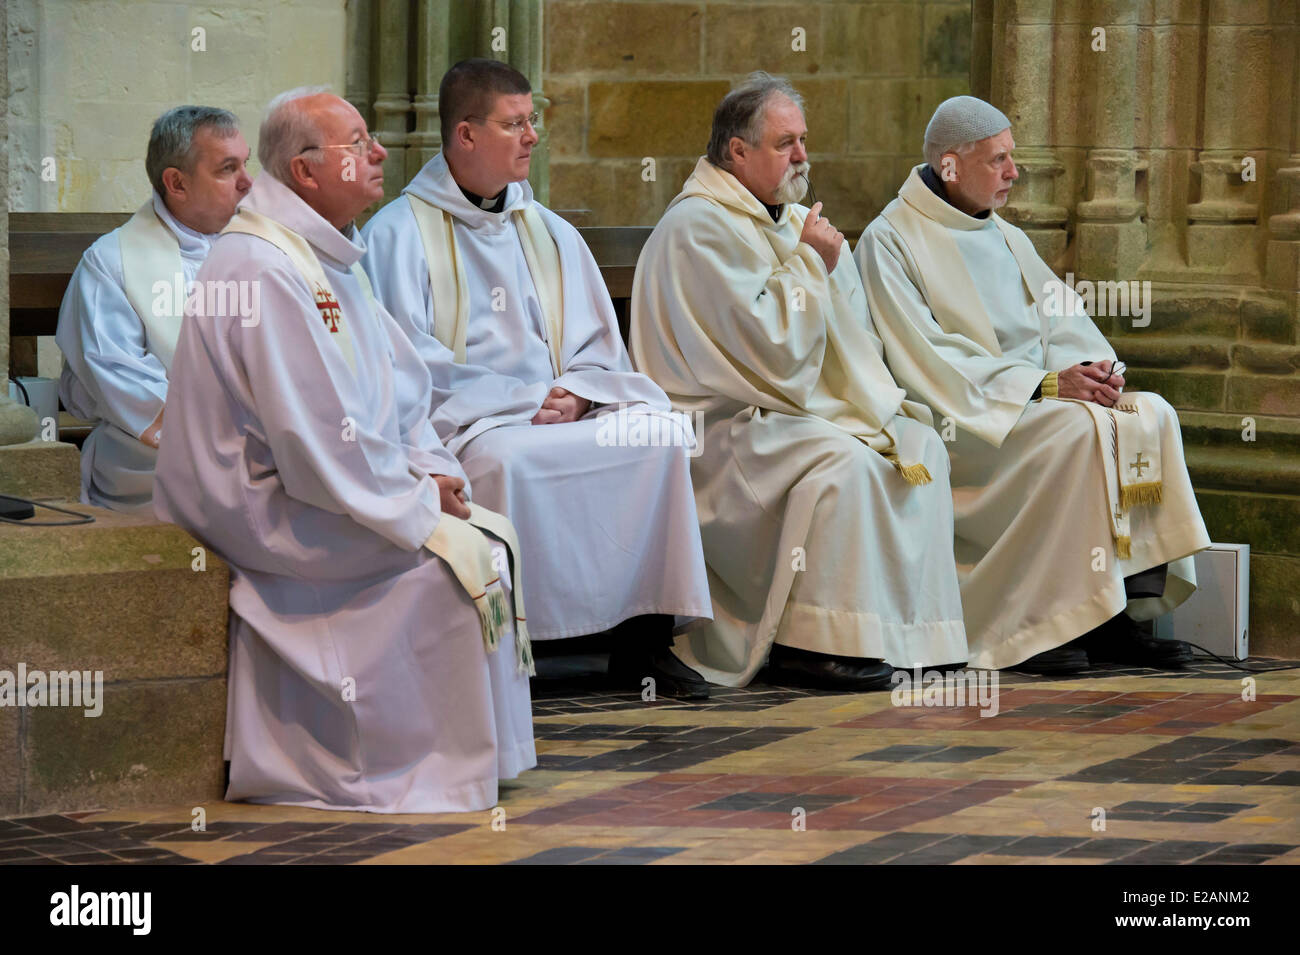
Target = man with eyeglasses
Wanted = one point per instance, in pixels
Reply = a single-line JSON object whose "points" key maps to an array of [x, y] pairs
{"points": [[1075, 517], [124, 306], [507, 307], [378, 653]]}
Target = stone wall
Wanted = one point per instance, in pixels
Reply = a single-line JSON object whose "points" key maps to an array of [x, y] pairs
{"points": [[87, 79], [631, 81]]}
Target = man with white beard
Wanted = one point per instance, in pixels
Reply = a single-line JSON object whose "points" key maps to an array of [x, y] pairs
{"points": [[377, 661], [508, 309], [1071, 497], [116, 332], [823, 495]]}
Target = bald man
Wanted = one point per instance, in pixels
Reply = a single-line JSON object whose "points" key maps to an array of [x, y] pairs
{"points": [[1074, 515], [377, 659]]}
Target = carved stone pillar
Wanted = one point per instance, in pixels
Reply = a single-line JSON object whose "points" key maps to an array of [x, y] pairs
{"points": [[1222, 225], [433, 58], [1025, 56], [392, 104], [1110, 233]]}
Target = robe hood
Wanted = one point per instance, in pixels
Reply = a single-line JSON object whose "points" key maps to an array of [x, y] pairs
{"points": [[922, 198], [436, 186], [722, 187], [273, 199]]}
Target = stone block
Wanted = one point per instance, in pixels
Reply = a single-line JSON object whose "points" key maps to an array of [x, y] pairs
{"points": [[826, 111], [1274, 606], [119, 595], [1267, 319], [566, 117], [1142, 351], [41, 470], [854, 191], [10, 761], [89, 59], [1264, 394], [1283, 265], [1184, 313], [156, 742], [873, 39], [612, 38], [1269, 523], [1185, 12], [1198, 391], [651, 118], [1241, 12], [946, 40], [741, 37], [1267, 359]]}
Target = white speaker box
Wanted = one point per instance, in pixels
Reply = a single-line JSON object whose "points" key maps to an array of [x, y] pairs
{"points": [[1217, 615]]}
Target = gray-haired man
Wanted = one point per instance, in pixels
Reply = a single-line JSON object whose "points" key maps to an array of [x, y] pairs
{"points": [[1070, 497], [824, 506], [122, 312]]}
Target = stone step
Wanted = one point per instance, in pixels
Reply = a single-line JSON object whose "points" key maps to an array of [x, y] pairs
{"points": [[139, 602], [1225, 313]]}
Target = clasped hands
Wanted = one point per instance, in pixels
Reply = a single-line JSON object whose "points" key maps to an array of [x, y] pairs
{"points": [[1099, 382], [561, 406]]}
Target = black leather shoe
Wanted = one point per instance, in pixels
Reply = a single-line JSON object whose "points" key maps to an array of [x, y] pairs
{"points": [[1069, 658], [805, 668], [673, 678], [1124, 640]]}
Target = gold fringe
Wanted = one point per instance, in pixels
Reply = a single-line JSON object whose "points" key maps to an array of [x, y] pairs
{"points": [[914, 474], [1131, 495], [1050, 387], [1124, 547]]}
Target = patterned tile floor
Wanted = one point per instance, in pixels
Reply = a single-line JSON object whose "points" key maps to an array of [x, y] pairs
{"points": [[1114, 766]]}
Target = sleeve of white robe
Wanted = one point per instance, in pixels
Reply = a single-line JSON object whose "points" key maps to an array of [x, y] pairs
{"points": [[306, 399], [984, 393], [747, 307], [594, 360], [103, 342], [1074, 338]]}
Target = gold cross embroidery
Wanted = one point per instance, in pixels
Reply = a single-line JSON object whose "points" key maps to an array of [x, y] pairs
{"points": [[1139, 465]]}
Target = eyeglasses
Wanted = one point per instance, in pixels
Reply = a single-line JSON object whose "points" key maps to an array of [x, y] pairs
{"points": [[1117, 368], [361, 148], [513, 126]]}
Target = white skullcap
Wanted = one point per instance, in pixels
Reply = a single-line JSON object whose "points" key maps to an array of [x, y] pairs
{"points": [[961, 119]]}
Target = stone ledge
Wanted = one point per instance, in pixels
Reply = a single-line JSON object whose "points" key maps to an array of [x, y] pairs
{"points": [[41, 471]]}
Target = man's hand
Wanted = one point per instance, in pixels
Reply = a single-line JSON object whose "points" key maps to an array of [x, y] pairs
{"points": [[560, 406], [1085, 382], [451, 492], [822, 236], [152, 435]]}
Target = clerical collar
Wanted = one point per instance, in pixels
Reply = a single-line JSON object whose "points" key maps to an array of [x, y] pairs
{"points": [[931, 179], [495, 204], [773, 211]]}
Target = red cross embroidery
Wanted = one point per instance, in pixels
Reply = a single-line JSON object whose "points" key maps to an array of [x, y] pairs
{"points": [[329, 309]]}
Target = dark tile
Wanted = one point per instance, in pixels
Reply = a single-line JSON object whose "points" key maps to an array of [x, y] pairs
{"points": [[562, 855], [1103, 848], [961, 754], [1224, 808], [900, 753], [1038, 846]]}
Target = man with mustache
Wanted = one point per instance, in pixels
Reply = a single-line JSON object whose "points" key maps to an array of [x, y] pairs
{"points": [[507, 307], [378, 658], [823, 496]]}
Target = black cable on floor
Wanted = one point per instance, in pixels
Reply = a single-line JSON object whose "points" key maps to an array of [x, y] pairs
{"points": [[82, 518], [1234, 664]]}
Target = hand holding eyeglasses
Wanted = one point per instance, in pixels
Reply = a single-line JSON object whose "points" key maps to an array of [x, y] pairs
{"points": [[1100, 382]]}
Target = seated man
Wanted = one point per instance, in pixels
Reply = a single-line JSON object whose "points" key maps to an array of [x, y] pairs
{"points": [[116, 330], [826, 513], [504, 302], [365, 672], [1069, 497]]}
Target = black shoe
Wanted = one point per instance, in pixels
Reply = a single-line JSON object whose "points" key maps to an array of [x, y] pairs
{"points": [[1069, 658], [672, 678], [1124, 640], [822, 670]]}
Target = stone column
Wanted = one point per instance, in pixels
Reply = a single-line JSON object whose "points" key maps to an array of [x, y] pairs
{"points": [[18, 424], [1023, 61], [1284, 228], [392, 27], [359, 40], [1111, 235], [526, 56], [433, 58], [1222, 226]]}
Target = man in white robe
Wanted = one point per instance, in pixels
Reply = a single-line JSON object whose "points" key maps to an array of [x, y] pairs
{"points": [[823, 496], [366, 672], [507, 307], [1070, 497], [123, 308]]}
